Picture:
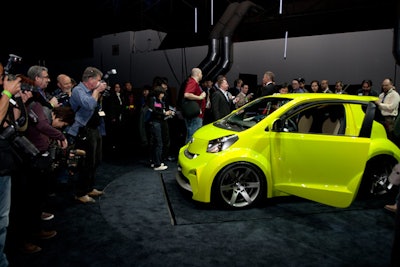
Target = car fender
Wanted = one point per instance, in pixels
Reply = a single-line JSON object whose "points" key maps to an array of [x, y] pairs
{"points": [[383, 146]]}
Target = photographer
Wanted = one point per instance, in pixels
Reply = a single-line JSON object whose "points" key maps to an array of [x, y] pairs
{"points": [[64, 90], [39, 75], [87, 130], [33, 178], [8, 88]]}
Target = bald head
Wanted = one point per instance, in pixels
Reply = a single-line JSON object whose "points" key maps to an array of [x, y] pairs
{"points": [[64, 82], [197, 74]]}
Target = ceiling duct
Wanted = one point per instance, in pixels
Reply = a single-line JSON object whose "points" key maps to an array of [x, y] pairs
{"points": [[213, 53], [225, 45]]}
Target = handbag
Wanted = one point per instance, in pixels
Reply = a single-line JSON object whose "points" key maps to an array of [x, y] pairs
{"points": [[190, 109]]}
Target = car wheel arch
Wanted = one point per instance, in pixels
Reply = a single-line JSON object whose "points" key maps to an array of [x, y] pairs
{"points": [[375, 177]]}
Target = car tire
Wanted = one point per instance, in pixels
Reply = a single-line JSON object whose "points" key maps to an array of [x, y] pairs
{"points": [[375, 181], [239, 185]]}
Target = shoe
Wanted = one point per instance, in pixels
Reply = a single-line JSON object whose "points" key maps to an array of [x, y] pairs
{"points": [[95, 193], [46, 216], [392, 208], [85, 199], [30, 248], [152, 165], [160, 168], [45, 234]]}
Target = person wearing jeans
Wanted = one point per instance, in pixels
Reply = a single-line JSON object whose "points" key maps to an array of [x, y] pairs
{"points": [[193, 91], [6, 157], [158, 115]]}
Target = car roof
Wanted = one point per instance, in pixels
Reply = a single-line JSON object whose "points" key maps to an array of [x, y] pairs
{"points": [[326, 96]]}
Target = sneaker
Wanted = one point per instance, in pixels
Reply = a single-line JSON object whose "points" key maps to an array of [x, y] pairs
{"points": [[152, 164], [95, 193], [45, 234], [30, 248], [160, 168], [46, 216]]}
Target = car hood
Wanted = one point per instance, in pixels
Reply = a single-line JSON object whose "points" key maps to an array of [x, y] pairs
{"points": [[204, 134], [211, 132]]}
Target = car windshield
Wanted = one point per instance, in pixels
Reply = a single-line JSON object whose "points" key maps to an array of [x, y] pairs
{"points": [[251, 114]]}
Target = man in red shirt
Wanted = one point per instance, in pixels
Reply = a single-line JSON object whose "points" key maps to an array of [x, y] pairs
{"points": [[193, 91]]}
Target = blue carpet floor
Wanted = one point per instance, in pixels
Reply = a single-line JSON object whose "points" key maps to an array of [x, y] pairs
{"points": [[144, 219]]}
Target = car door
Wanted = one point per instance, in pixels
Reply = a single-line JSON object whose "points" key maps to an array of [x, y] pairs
{"points": [[322, 167]]}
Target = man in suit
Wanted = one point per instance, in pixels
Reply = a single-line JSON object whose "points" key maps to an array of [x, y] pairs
{"points": [[221, 101], [268, 84], [237, 85]]}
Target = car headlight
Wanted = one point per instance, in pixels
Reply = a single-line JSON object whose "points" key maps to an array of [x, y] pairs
{"points": [[220, 144]]}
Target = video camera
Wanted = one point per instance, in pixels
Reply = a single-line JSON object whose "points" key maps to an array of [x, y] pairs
{"points": [[26, 83]]}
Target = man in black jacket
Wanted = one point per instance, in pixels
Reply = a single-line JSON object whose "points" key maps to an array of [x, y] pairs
{"points": [[221, 100], [268, 84]]}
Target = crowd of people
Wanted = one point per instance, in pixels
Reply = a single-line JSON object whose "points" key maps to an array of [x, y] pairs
{"points": [[77, 121]]}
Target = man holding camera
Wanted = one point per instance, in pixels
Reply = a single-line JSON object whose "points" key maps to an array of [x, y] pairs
{"points": [[87, 130], [64, 90], [32, 179], [8, 88]]}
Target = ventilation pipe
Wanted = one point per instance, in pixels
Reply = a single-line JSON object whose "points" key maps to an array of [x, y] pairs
{"points": [[396, 36], [213, 53], [225, 62]]}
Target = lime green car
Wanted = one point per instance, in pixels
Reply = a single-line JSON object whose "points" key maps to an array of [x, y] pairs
{"points": [[326, 148]]}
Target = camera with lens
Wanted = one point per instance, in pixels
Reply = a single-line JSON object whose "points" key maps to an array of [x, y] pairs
{"points": [[173, 112], [107, 91], [62, 98], [28, 87], [19, 142], [11, 60], [26, 83], [68, 158]]}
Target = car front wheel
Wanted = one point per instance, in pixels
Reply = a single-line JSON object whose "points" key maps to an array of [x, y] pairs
{"points": [[239, 185]]}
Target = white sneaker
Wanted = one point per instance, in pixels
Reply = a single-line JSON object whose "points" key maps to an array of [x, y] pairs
{"points": [[160, 168], [152, 165], [46, 216]]}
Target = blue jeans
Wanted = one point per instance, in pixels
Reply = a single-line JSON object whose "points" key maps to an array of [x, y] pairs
{"points": [[5, 202], [191, 126]]}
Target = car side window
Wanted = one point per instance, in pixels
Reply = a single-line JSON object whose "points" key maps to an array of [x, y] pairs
{"points": [[324, 118]]}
